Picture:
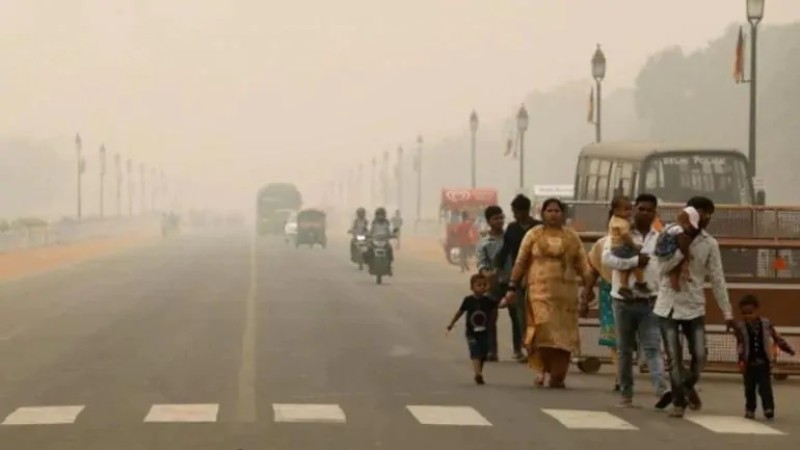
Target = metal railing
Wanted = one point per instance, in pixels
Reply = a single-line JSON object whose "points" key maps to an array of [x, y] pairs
{"points": [[736, 222]]}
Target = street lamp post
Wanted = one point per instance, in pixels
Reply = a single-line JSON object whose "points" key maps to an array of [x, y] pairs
{"points": [[418, 168], [385, 176], [522, 127], [118, 167], [360, 184], [473, 128], [129, 167], [372, 195], [102, 178], [598, 73], [755, 12], [399, 176], [81, 167]]}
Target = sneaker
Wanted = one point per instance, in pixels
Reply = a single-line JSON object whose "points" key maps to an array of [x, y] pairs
{"points": [[695, 404], [626, 402], [519, 357], [492, 358], [769, 414], [643, 288], [749, 414], [626, 293], [677, 412], [664, 400], [479, 380]]}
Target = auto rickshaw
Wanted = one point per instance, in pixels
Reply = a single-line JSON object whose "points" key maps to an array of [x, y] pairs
{"points": [[310, 228]]}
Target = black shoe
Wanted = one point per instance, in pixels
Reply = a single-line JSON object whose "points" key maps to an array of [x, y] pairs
{"points": [[664, 400], [616, 387], [492, 358], [749, 414], [479, 379], [769, 414], [693, 398]]}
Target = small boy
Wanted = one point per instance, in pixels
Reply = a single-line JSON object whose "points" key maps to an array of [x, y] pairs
{"points": [[756, 337], [479, 308], [623, 246]]}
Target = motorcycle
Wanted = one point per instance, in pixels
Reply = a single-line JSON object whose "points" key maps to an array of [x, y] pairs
{"points": [[379, 264], [358, 248]]}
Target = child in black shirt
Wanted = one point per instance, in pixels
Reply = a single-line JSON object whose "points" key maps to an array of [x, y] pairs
{"points": [[478, 307], [756, 336]]}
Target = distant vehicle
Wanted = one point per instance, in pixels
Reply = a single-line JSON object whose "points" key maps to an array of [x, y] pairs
{"points": [[311, 228], [274, 203], [290, 229]]}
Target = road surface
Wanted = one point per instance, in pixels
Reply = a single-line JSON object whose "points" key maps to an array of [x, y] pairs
{"points": [[211, 342]]}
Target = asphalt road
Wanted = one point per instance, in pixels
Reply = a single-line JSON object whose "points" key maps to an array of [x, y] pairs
{"points": [[212, 342]]}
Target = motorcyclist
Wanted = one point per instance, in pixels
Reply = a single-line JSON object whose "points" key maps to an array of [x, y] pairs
{"points": [[360, 226], [381, 229]]}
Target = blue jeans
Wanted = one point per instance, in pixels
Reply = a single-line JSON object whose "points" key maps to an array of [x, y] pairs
{"points": [[682, 380], [635, 318]]}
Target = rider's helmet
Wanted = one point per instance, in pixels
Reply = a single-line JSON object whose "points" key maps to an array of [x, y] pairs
{"points": [[361, 213], [380, 213]]}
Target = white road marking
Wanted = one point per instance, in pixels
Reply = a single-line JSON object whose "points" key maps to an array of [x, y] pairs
{"points": [[588, 420], [246, 403], [448, 415], [43, 415], [183, 413], [307, 413], [732, 425]]}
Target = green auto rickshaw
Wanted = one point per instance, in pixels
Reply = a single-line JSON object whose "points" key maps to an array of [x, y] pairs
{"points": [[310, 228]]}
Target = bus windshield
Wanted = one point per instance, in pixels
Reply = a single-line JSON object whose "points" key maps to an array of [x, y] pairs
{"points": [[676, 177]]}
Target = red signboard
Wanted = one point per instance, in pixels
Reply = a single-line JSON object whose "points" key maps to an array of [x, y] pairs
{"points": [[460, 199]]}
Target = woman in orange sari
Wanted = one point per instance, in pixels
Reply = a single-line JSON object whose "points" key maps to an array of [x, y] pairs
{"points": [[551, 259]]}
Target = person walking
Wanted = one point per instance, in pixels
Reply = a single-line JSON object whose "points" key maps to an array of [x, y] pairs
{"points": [[552, 259], [601, 275], [684, 312], [634, 315], [512, 239]]}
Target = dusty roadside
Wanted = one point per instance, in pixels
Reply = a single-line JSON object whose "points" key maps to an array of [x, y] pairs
{"points": [[24, 263]]}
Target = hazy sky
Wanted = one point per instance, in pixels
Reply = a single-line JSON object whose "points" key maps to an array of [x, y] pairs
{"points": [[239, 91]]}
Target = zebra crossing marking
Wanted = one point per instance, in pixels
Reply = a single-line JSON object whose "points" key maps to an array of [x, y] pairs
{"points": [[733, 425], [447, 415], [44, 415], [184, 413], [308, 413], [589, 420]]}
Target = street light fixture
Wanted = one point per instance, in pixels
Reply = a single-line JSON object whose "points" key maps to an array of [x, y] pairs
{"points": [[473, 127], [522, 127], [598, 73], [755, 10]]}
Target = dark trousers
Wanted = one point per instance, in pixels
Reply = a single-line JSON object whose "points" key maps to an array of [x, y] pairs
{"points": [[694, 331], [758, 376], [516, 334]]}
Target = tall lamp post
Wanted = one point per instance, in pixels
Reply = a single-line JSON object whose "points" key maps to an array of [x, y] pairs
{"points": [[755, 12], [598, 73], [522, 127], [372, 195], [102, 177], [81, 168], [131, 184], [473, 128], [418, 169], [118, 168], [399, 175], [385, 176]]}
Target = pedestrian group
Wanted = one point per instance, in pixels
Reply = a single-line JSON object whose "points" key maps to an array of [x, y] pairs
{"points": [[651, 295]]}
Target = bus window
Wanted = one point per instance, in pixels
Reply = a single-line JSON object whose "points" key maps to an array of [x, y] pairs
{"points": [[675, 177], [592, 166], [603, 179], [621, 180]]}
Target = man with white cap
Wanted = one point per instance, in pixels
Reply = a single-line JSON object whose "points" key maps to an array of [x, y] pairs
{"points": [[683, 311]]}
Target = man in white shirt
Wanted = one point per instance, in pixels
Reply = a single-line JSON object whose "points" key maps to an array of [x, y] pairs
{"points": [[634, 317], [684, 311]]}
